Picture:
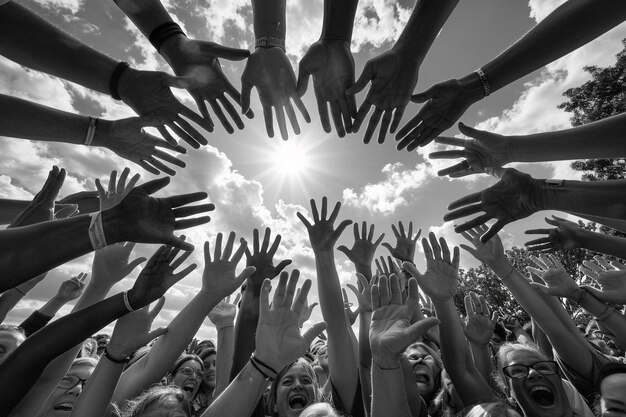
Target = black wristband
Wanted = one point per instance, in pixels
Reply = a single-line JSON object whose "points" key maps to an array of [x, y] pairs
{"points": [[253, 362], [114, 360], [263, 364], [163, 32], [115, 79]]}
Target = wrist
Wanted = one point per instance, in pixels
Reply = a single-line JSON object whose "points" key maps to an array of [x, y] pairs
{"points": [[384, 363], [501, 266], [113, 226], [102, 133], [472, 86], [408, 53], [172, 48], [223, 324], [117, 352], [126, 81]]}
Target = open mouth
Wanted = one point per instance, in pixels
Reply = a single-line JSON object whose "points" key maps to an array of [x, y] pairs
{"points": [[421, 374], [297, 402], [64, 407], [190, 387], [542, 395]]}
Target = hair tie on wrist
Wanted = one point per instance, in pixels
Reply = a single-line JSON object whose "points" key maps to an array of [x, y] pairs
{"points": [[115, 79], [269, 41], [484, 81], [91, 130], [127, 303], [256, 361], [107, 355], [252, 361], [163, 32]]}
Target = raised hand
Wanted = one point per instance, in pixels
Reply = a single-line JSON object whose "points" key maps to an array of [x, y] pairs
{"points": [[199, 60], [557, 281], [440, 280], [612, 282], [219, 279], [393, 76], [116, 190], [41, 209], [148, 219], [72, 288], [484, 150], [148, 93], [128, 140], [364, 249], [405, 243], [111, 264], [278, 338], [480, 323], [224, 312], [332, 66], [487, 252], [86, 201], [132, 331], [363, 296], [351, 315], [269, 70], [512, 198], [306, 312], [388, 268], [158, 276], [511, 323], [392, 329], [567, 235], [445, 104], [322, 235], [263, 258]]}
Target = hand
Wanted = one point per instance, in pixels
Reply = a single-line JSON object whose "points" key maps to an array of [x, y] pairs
{"points": [[72, 288], [262, 259], [487, 252], [445, 104], [148, 94], [269, 70], [558, 282], [278, 340], [117, 190], [199, 60], [128, 140], [363, 250], [393, 76], [223, 314], [612, 282], [479, 324], [158, 276], [87, 201], [363, 296], [485, 150], [148, 219], [392, 329], [567, 235], [388, 268], [332, 66], [132, 331], [512, 198], [441, 278], [351, 315], [321, 233], [511, 323], [405, 243], [41, 209], [218, 279], [306, 312], [111, 264]]}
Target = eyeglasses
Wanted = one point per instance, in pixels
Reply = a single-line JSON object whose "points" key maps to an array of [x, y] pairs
{"points": [[70, 381], [187, 371], [521, 371]]}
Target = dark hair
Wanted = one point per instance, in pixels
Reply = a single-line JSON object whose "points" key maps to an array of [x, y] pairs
{"points": [[156, 393], [182, 359], [608, 370], [271, 398]]}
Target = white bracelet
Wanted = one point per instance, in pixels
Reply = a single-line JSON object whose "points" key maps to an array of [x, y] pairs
{"points": [[91, 130], [96, 231], [126, 303]]}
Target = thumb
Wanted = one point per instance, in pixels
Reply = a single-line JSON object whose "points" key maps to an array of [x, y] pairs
{"points": [[361, 83], [470, 131], [387, 246], [594, 291], [412, 269], [156, 333], [425, 95], [157, 308], [344, 249], [303, 80], [178, 82], [418, 329], [134, 264], [540, 287], [246, 89], [282, 265], [354, 290], [220, 51], [313, 332], [245, 274]]}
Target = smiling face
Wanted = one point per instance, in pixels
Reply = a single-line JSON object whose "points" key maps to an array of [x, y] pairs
{"points": [[613, 400], [295, 391], [187, 378], [425, 370], [61, 402], [538, 394], [209, 370]]}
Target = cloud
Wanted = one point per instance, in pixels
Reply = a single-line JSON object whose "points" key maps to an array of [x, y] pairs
{"points": [[71, 5], [539, 9], [378, 22], [396, 190]]}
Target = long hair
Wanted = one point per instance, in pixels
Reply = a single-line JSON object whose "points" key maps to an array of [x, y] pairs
{"points": [[155, 395], [271, 398]]}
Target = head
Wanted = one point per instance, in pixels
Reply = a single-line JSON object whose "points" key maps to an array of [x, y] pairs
{"points": [[427, 367], [187, 374], [209, 357], [319, 410], [529, 378], [61, 402], [159, 401], [102, 340], [294, 389], [497, 409], [611, 385], [10, 338]]}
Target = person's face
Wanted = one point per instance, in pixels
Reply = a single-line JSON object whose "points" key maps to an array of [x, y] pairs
{"points": [[102, 344], [538, 394], [209, 370], [613, 400], [62, 400], [169, 407], [9, 341], [425, 370], [295, 391], [188, 377]]}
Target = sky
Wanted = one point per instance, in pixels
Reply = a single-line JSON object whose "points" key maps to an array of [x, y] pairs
{"points": [[258, 182]]}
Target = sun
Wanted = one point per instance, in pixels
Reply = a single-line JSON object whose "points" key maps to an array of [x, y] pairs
{"points": [[290, 160]]}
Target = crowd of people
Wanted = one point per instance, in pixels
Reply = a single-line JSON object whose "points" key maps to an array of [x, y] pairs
{"points": [[415, 354]]}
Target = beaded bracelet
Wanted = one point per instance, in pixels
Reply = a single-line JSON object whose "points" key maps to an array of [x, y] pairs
{"points": [[484, 81], [163, 32]]}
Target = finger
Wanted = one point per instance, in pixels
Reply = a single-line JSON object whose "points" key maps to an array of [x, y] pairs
{"points": [[153, 186], [220, 115], [472, 223], [300, 105], [279, 295], [360, 117], [469, 306], [468, 199], [463, 212], [397, 117], [337, 119], [300, 302], [292, 117], [112, 182], [269, 122], [190, 130], [362, 82], [425, 95], [170, 139], [264, 298], [121, 184], [346, 114], [169, 158], [396, 292], [371, 126], [156, 309], [436, 249], [184, 199], [322, 108], [230, 242], [202, 107], [383, 288], [315, 331], [246, 89], [303, 80], [493, 230], [384, 126], [421, 327]]}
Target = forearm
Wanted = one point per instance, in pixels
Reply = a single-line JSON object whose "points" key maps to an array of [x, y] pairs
{"points": [[388, 392], [365, 350], [225, 347], [35, 43], [534, 49], [338, 19], [241, 396], [612, 319], [145, 14], [482, 359], [602, 243], [425, 23], [52, 307], [521, 336], [245, 329], [601, 139], [540, 339], [269, 18], [11, 208], [96, 396], [8, 300]]}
